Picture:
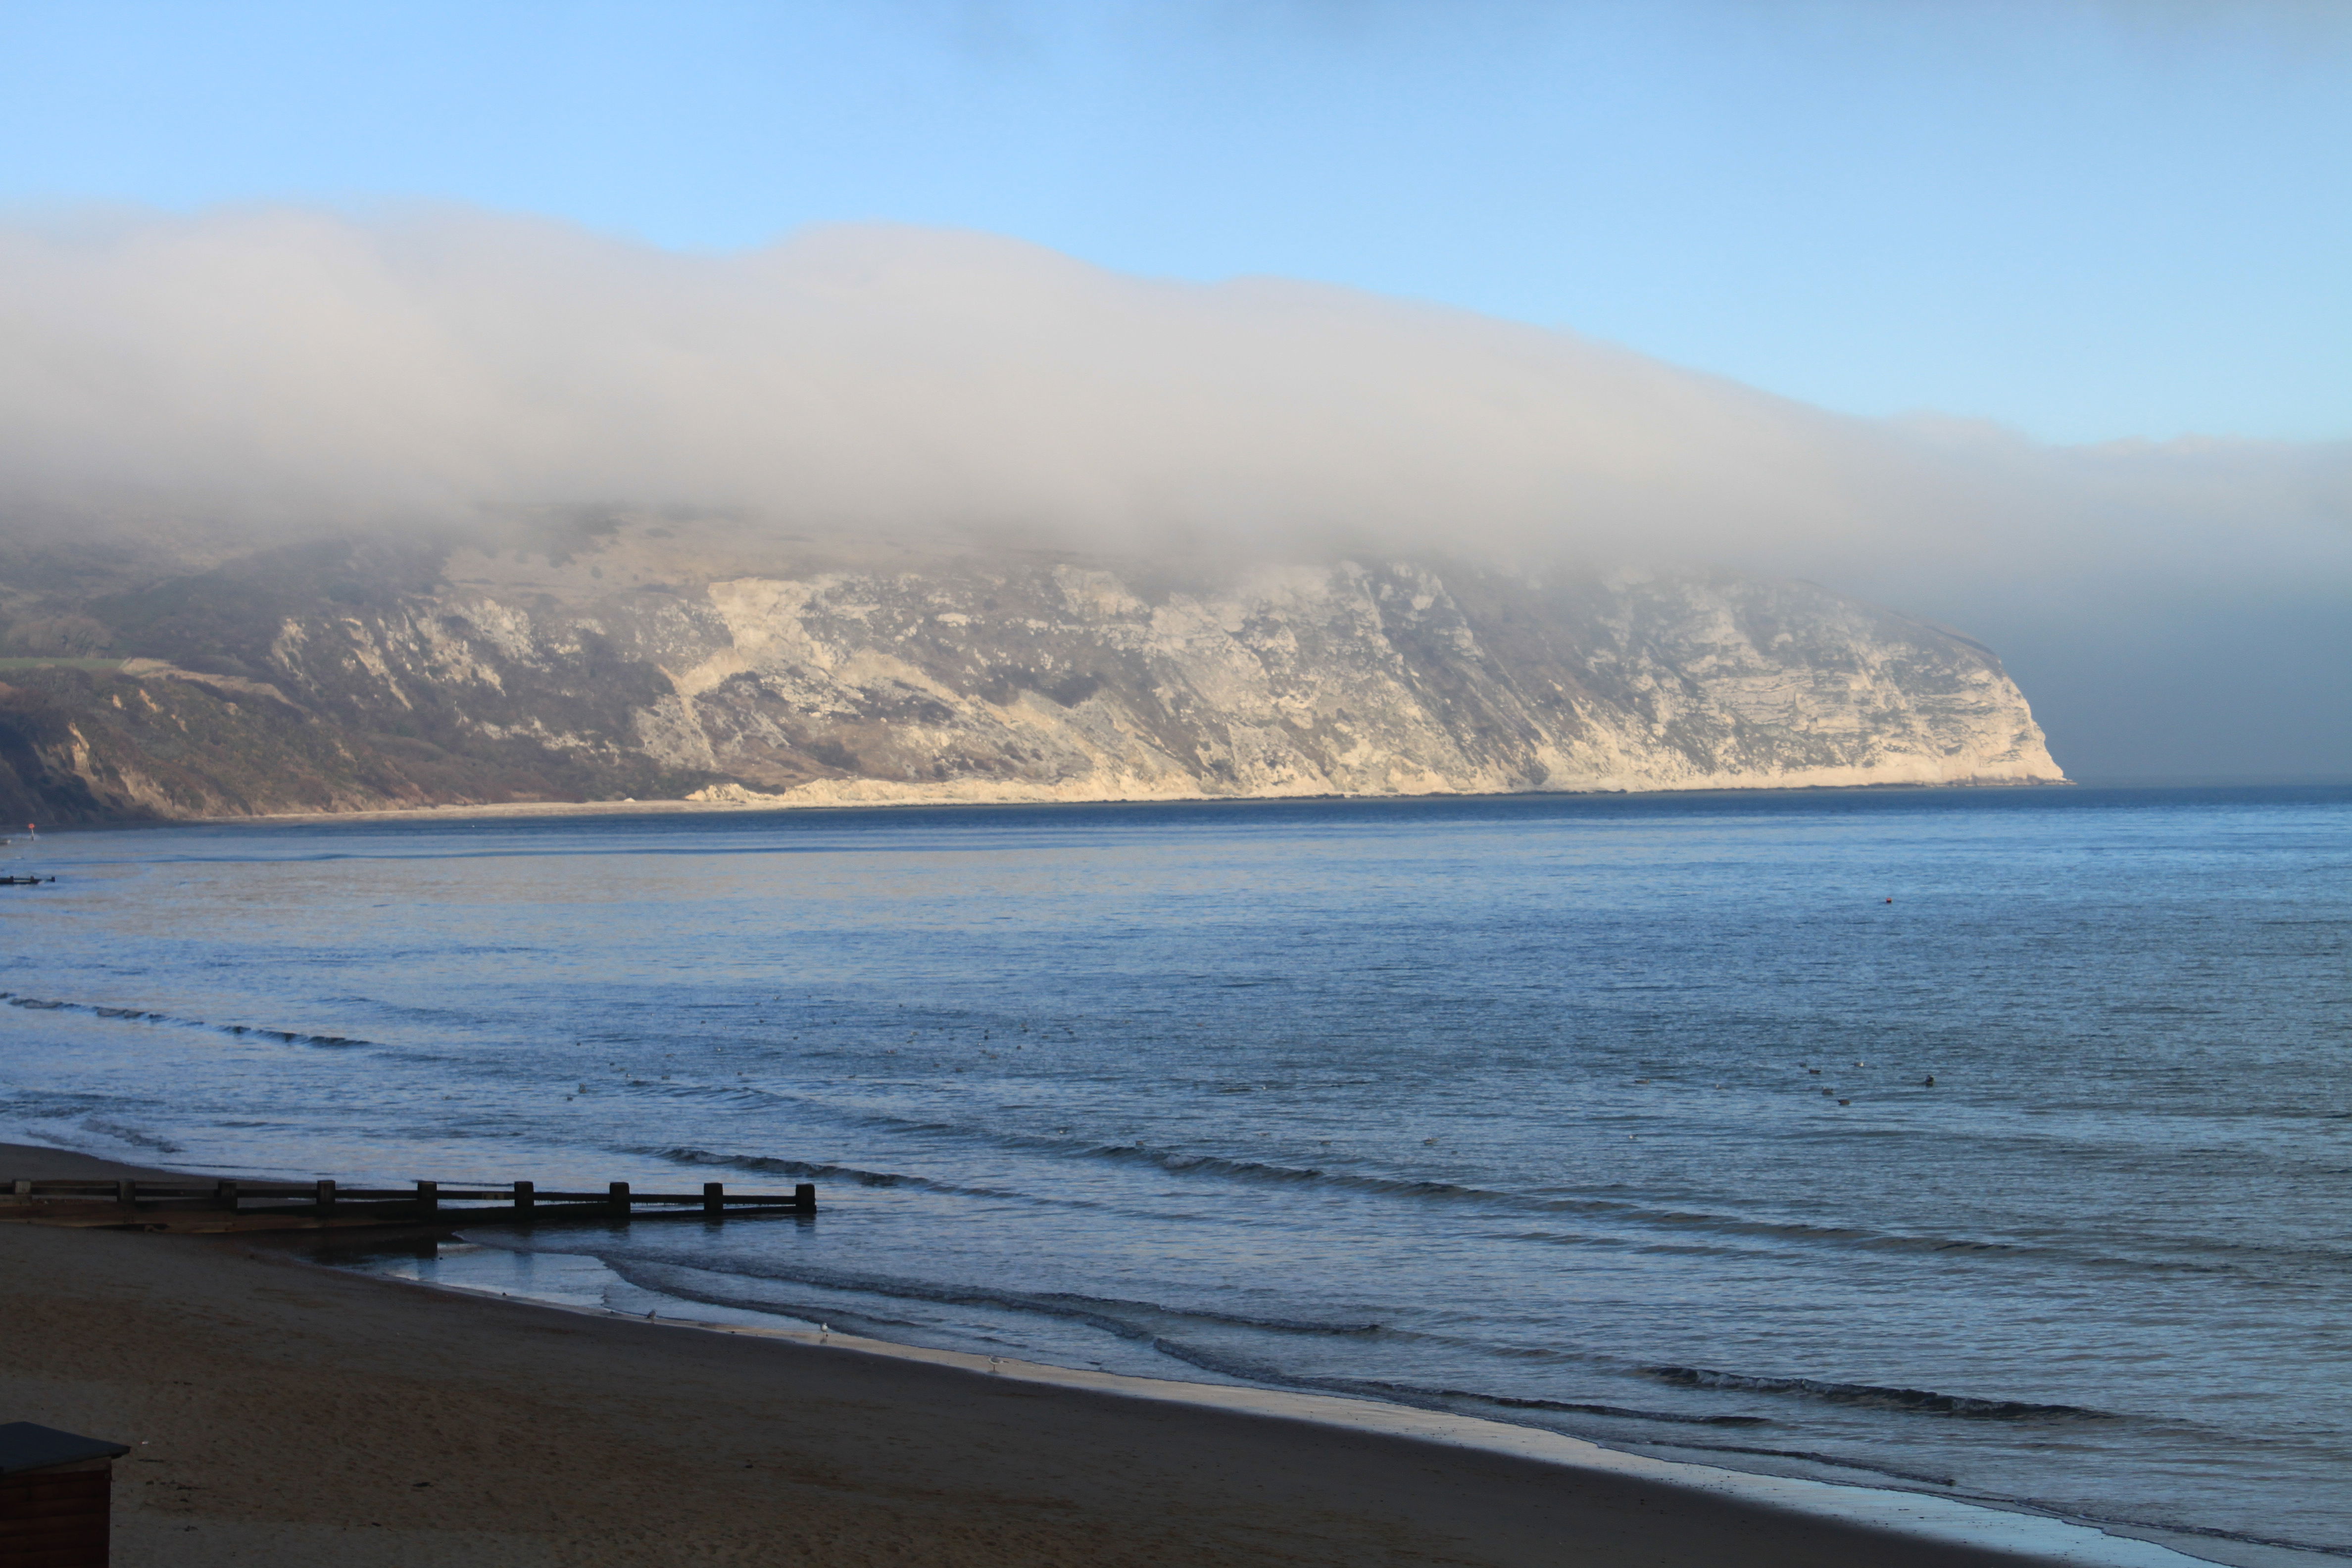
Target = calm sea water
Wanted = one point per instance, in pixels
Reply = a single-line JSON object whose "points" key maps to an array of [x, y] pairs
{"points": [[1613, 1115]]}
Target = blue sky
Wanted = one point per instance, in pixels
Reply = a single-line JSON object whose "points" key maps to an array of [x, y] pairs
{"points": [[2084, 221]]}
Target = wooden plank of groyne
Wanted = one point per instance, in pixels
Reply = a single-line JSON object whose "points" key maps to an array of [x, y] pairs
{"points": [[230, 1204]]}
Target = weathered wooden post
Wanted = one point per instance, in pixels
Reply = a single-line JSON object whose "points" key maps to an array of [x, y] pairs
{"points": [[526, 1196], [126, 1192], [619, 1201], [714, 1197], [428, 1197], [804, 1197], [224, 1195], [54, 1495], [326, 1197], [24, 1189]]}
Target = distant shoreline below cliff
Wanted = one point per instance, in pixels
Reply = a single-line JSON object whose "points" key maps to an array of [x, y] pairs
{"points": [[459, 813]]}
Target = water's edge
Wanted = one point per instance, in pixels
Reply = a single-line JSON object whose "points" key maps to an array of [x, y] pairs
{"points": [[1944, 1520]]}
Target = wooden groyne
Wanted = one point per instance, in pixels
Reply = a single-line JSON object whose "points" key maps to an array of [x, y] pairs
{"points": [[194, 1206]]}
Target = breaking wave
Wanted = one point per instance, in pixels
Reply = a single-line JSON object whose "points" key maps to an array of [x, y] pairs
{"points": [[1921, 1401], [819, 1170], [1108, 1313], [1615, 1211], [137, 1015]]}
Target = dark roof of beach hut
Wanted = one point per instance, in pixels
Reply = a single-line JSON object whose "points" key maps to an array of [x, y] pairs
{"points": [[25, 1446]]}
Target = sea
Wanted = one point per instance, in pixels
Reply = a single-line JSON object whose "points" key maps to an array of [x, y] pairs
{"points": [[1993, 1144]]}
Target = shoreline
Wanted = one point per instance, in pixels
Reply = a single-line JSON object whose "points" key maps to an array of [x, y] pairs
{"points": [[747, 802], [1953, 1522], [1819, 1520]]}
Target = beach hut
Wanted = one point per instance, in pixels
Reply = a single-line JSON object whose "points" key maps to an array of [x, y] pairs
{"points": [[55, 1491]]}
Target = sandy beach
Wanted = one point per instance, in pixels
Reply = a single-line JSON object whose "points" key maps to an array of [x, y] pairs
{"points": [[286, 1414]]}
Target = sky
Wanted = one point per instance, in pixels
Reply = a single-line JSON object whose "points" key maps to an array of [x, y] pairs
{"points": [[1920, 300], [2084, 221]]}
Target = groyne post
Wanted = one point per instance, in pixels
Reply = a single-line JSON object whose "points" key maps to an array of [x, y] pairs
{"points": [[326, 1195], [126, 1192], [526, 1196], [428, 1197], [714, 1197], [619, 1200], [224, 1195], [804, 1197]]}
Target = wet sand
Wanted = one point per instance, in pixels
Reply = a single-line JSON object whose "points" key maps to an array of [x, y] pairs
{"points": [[286, 1414]]}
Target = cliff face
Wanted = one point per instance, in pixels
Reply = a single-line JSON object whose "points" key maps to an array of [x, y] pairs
{"points": [[349, 678]]}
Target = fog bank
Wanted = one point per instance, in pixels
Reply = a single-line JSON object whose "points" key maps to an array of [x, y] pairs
{"points": [[275, 371]]}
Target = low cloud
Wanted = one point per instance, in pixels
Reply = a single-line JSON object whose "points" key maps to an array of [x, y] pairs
{"points": [[277, 371]]}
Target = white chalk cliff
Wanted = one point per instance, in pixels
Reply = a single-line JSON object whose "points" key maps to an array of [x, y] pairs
{"points": [[1065, 683], [350, 679]]}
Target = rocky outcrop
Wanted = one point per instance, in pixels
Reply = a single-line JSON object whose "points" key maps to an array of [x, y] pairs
{"points": [[378, 679]]}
